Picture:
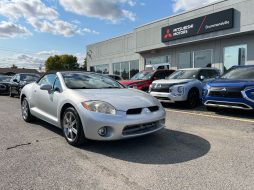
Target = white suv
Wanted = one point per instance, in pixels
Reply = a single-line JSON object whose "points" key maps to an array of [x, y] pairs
{"points": [[184, 85]]}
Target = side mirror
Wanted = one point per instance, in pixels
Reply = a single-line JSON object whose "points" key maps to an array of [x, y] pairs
{"points": [[57, 89], [47, 87], [15, 80], [202, 77]]}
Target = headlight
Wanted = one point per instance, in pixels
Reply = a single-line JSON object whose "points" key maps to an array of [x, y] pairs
{"points": [[180, 89], [99, 106], [22, 83], [150, 88]]}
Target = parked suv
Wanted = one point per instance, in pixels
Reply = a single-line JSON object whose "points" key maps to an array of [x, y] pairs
{"points": [[18, 81], [184, 85], [235, 89], [143, 79], [4, 84]]}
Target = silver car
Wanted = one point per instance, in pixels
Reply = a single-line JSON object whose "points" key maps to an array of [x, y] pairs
{"points": [[91, 106]]}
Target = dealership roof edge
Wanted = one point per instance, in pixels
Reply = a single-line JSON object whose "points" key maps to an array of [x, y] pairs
{"points": [[172, 16], [181, 13]]}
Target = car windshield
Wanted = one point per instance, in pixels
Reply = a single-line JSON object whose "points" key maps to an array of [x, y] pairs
{"points": [[143, 75], [242, 73], [5, 79], [28, 77], [184, 74], [82, 80]]}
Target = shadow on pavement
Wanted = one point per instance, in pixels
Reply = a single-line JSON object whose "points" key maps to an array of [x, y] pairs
{"points": [[164, 147]]}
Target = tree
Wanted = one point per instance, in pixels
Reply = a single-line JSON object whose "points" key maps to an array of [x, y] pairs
{"points": [[14, 66], [84, 66], [62, 62]]}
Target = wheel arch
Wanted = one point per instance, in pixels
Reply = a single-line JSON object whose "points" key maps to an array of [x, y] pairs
{"points": [[63, 108], [197, 90]]}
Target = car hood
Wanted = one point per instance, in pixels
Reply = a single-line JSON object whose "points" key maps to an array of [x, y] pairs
{"points": [[121, 99], [173, 81], [231, 83], [129, 82]]}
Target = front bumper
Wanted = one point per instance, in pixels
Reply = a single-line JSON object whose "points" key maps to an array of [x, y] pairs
{"points": [[120, 126], [168, 97], [233, 103]]}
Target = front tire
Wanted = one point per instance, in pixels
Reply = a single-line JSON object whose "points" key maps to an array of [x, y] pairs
{"points": [[26, 114], [193, 99], [11, 94], [72, 127]]}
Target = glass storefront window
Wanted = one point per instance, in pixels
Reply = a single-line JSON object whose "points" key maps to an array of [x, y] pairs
{"points": [[203, 58], [184, 60], [103, 69], [134, 68], [117, 69], [234, 55], [158, 60], [126, 69]]}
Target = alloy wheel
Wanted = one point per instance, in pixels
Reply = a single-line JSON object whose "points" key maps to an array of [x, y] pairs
{"points": [[70, 126], [25, 109]]}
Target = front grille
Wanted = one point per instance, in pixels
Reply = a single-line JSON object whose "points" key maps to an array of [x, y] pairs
{"points": [[227, 92], [160, 87], [153, 108], [137, 111], [3, 87], [134, 111], [162, 98], [142, 128]]}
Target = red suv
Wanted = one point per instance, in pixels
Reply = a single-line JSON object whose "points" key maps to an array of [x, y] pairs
{"points": [[143, 79]]}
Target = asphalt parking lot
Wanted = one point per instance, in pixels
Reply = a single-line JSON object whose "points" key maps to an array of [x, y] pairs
{"points": [[197, 150]]}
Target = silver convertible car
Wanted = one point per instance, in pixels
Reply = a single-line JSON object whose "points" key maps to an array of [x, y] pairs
{"points": [[91, 106]]}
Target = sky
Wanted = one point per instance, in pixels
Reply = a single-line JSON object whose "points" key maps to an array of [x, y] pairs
{"points": [[33, 30]]}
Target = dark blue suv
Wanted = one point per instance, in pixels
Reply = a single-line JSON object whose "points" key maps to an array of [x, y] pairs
{"points": [[234, 89]]}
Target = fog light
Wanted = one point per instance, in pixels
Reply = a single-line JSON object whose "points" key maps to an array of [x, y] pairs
{"points": [[102, 131], [162, 121]]}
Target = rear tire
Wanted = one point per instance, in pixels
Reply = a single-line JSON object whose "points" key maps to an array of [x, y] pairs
{"points": [[193, 99], [26, 114], [72, 127]]}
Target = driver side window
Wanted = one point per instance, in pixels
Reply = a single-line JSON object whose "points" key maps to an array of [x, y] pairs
{"points": [[47, 79], [57, 85]]}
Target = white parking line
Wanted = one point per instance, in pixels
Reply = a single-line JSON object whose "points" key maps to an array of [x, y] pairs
{"points": [[212, 116]]}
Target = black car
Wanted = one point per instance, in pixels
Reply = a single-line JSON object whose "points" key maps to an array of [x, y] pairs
{"points": [[4, 84], [18, 81]]}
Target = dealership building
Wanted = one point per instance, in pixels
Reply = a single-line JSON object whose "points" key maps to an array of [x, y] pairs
{"points": [[217, 35]]}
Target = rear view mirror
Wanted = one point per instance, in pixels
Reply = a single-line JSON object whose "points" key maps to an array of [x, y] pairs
{"points": [[47, 87]]}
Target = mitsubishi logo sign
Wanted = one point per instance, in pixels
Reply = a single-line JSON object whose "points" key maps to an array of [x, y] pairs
{"points": [[209, 23]]}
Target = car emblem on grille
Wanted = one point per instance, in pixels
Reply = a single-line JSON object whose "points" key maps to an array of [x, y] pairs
{"points": [[224, 89], [146, 110]]}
